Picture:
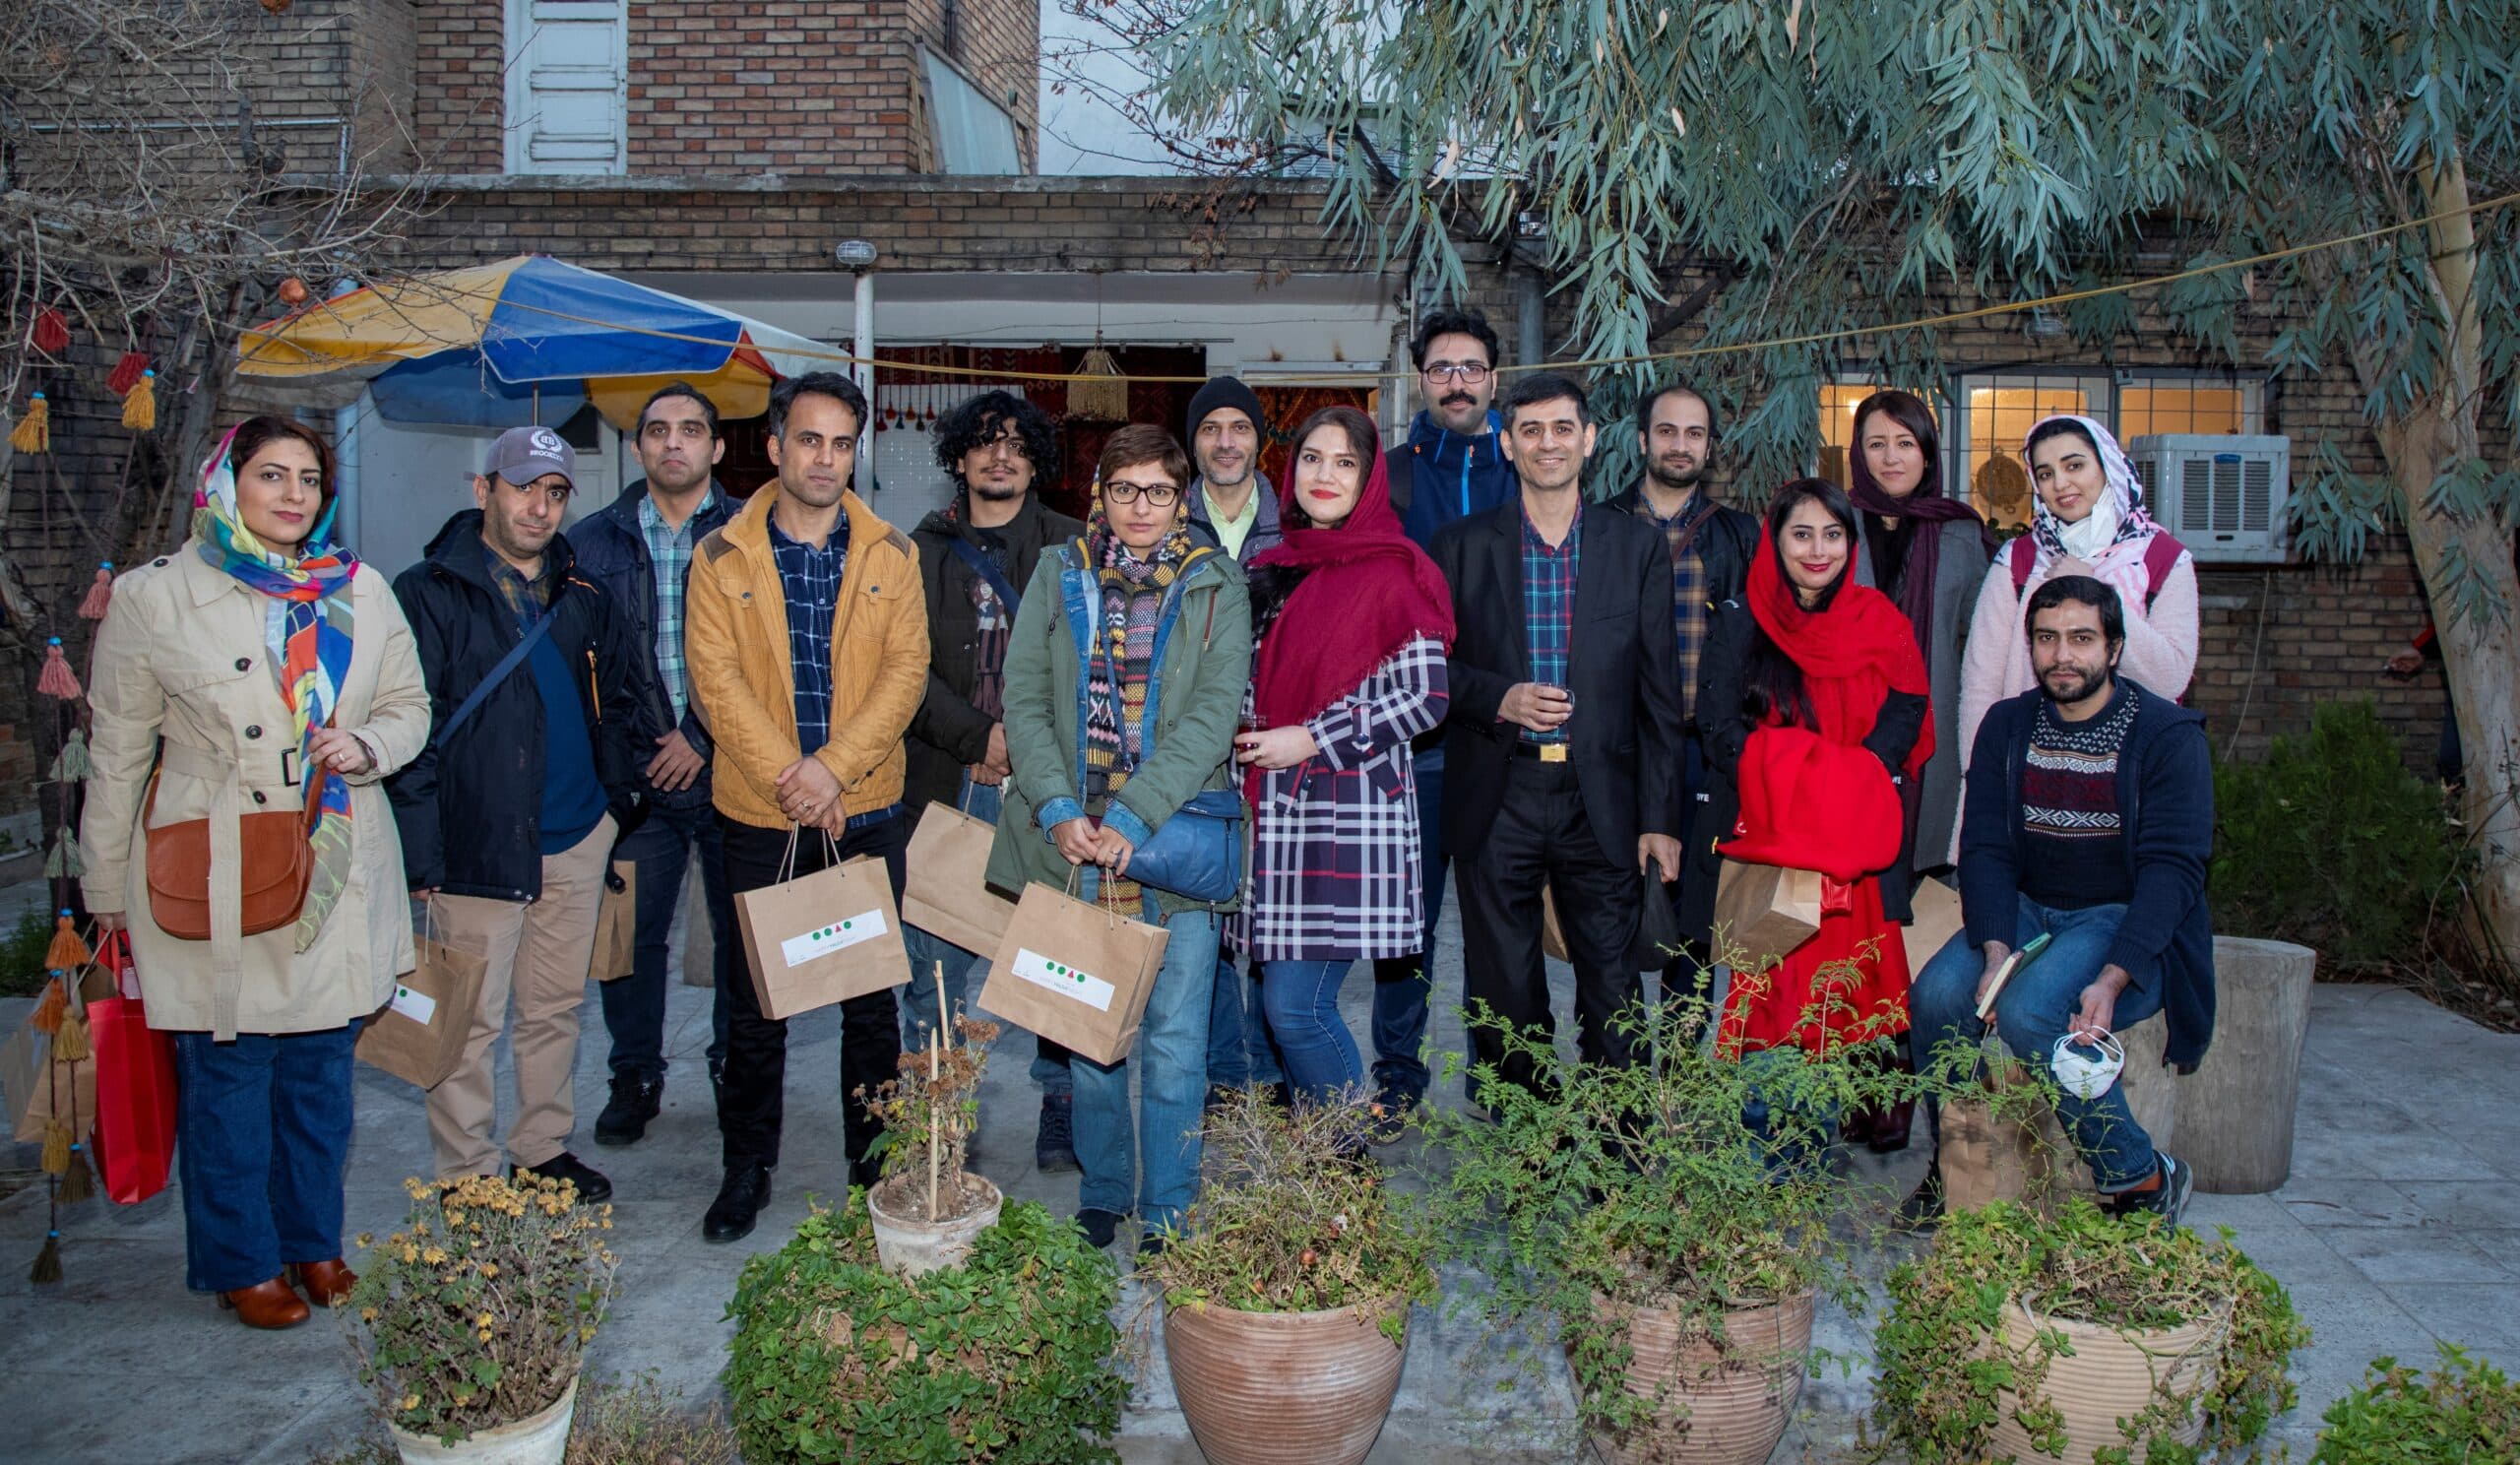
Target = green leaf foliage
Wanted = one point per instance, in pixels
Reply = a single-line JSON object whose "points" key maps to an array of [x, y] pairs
{"points": [[1008, 1358], [2462, 1412]]}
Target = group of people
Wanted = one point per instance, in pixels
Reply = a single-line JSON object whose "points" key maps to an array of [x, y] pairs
{"points": [[1436, 655]]}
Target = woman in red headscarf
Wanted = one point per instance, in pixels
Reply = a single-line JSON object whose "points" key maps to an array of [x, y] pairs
{"points": [[1814, 713], [1353, 622]]}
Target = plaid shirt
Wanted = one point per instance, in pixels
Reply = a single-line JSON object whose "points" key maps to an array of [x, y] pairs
{"points": [[1688, 589], [526, 600], [1548, 608], [810, 578], [669, 554]]}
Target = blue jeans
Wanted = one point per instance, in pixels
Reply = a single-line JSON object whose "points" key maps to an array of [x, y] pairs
{"points": [[634, 1006], [1403, 983], [1302, 1002], [2032, 1012], [928, 951], [262, 1137], [1170, 1058], [1240, 1048]]}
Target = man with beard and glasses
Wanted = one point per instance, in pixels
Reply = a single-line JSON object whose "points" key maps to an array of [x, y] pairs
{"points": [[809, 648], [1710, 545], [1450, 468], [1564, 734], [975, 557], [2089, 820], [639, 548]]}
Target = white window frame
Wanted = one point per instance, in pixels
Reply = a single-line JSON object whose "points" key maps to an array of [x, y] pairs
{"points": [[931, 64], [2252, 392], [516, 131]]}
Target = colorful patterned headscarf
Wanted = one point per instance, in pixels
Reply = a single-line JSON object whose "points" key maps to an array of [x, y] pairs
{"points": [[306, 634], [2112, 538]]}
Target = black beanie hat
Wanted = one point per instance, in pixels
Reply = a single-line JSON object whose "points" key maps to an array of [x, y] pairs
{"points": [[1224, 391]]}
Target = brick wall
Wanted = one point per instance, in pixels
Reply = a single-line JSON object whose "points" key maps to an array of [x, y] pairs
{"points": [[459, 77]]}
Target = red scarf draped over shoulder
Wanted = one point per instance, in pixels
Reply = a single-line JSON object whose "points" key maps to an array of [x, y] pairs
{"points": [[1852, 654], [1367, 591]]}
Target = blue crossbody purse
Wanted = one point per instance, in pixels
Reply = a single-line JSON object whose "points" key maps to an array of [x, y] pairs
{"points": [[1197, 853]]}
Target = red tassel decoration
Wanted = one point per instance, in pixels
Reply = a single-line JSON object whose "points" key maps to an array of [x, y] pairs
{"points": [[126, 373], [57, 679], [100, 593], [51, 334]]}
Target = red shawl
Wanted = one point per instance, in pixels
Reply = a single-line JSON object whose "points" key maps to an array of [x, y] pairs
{"points": [[1367, 591], [1852, 654]]}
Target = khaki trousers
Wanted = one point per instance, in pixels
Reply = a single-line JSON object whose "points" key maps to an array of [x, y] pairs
{"points": [[538, 952]]}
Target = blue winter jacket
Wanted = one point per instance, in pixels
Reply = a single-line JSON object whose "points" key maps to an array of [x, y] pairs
{"points": [[1450, 476]]}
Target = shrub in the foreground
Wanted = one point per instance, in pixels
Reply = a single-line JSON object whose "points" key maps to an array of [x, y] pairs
{"points": [[1007, 1358], [2462, 1412]]}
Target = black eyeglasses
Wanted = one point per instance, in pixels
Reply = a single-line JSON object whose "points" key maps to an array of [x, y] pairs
{"points": [[1473, 372], [1162, 495]]}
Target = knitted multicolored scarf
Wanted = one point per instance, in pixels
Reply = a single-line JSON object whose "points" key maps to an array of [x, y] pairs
{"points": [[306, 631], [1123, 657]]}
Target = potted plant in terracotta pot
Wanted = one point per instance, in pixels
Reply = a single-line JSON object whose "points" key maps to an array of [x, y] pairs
{"points": [[2080, 1337], [1008, 1358], [470, 1322], [927, 1209], [1671, 1219], [1285, 1302]]}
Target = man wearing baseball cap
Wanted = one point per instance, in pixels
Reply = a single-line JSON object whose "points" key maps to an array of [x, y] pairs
{"points": [[510, 813]]}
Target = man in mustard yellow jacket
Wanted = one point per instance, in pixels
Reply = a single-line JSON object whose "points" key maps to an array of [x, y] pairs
{"points": [[806, 636]]}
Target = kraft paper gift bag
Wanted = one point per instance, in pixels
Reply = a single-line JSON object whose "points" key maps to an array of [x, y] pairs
{"points": [[813, 941], [947, 893], [66, 1089], [1075, 972], [616, 923], [1934, 918], [1988, 1158], [418, 1035], [21, 1069], [1763, 912]]}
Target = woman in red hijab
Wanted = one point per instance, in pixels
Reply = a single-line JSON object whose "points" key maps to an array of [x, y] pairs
{"points": [[1814, 713], [1353, 622]]}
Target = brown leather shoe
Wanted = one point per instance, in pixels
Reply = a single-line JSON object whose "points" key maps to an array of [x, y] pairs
{"points": [[270, 1304], [326, 1284]]}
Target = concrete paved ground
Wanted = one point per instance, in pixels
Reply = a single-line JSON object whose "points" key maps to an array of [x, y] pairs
{"points": [[2401, 1225]]}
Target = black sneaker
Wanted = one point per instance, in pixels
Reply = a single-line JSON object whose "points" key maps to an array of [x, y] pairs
{"points": [[2168, 1201], [1054, 1148], [740, 1198], [593, 1187], [1100, 1226], [624, 1120], [1151, 1244], [1922, 1210]]}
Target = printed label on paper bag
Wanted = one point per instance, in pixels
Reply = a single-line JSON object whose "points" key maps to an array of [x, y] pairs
{"points": [[839, 935], [420, 1007], [1067, 980]]}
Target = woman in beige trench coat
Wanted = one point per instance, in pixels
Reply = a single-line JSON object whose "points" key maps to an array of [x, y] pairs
{"points": [[267, 659]]}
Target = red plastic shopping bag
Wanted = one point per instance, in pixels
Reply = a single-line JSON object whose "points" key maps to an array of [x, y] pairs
{"points": [[135, 1086]]}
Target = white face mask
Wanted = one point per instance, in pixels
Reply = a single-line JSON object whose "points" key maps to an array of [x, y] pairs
{"points": [[2097, 531], [2087, 1070]]}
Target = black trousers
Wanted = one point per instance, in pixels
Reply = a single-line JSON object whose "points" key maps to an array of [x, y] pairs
{"points": [[753, 1103], [1542, 838]]}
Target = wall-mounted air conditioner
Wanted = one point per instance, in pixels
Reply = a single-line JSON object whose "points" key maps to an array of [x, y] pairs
{"points": [[2223, 496]]}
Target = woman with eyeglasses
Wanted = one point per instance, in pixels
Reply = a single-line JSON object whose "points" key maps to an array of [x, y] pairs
{"points": [[1095, 776], [1353, 622]]}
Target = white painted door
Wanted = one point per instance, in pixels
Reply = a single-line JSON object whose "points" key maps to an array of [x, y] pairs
{"points": [[568, 88]]}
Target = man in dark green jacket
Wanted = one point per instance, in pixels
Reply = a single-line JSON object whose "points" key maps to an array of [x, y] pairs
{"points": [[975, 557]]}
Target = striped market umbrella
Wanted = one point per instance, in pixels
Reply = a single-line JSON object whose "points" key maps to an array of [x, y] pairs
{"points": [[528, 340]]}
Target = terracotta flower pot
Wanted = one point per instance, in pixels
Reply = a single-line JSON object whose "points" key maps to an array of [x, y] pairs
{"points": [[1724, 1404], [2108, 1376], [912, 1248], [536, 1440], [1283, 1388]]}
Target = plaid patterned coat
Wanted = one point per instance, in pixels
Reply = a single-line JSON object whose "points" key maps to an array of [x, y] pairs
{"points": [[1334, 853]]}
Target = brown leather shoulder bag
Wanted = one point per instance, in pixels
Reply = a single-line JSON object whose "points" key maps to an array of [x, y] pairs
{"points": [[278, 865]]}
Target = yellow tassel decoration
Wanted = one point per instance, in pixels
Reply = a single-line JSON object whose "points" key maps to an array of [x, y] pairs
{"points": [[33, 432], [67, 953], [56, 1147], [70, 1044], [140, 409]]}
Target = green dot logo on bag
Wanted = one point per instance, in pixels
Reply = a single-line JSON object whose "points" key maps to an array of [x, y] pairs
{"points": [[1060, 977], [839, 935]]}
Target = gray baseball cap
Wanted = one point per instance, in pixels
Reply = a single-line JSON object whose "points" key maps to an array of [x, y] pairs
{"points": [[525, 454]]}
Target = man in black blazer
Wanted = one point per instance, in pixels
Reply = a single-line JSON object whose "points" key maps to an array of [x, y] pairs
{"points": [[1564, 736]]}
